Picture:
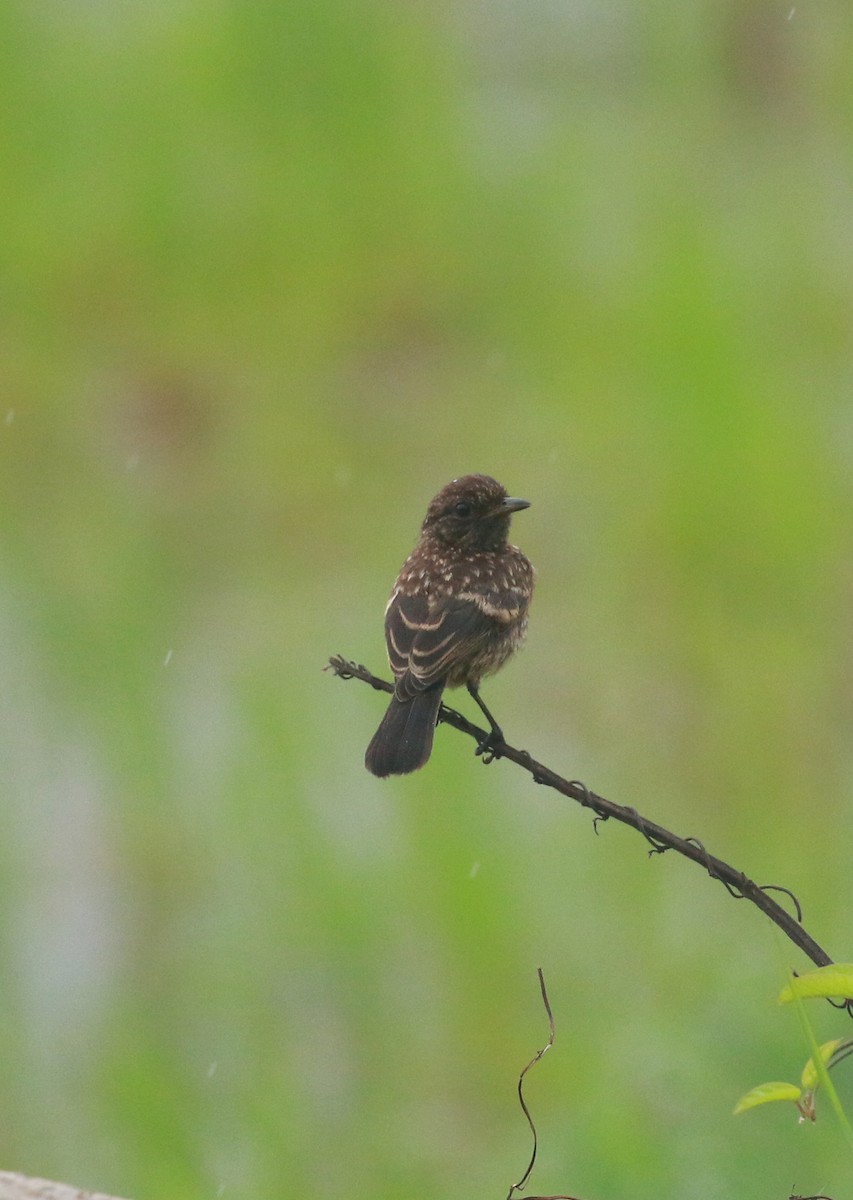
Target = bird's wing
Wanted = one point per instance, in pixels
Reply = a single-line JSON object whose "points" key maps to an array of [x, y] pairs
{"points": [[424, 645]]}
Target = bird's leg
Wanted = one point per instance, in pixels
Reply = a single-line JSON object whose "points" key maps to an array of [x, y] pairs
{"points": [[493, 739]]}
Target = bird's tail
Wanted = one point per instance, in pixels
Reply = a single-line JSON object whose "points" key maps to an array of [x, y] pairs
{"points": [[403, 742]]}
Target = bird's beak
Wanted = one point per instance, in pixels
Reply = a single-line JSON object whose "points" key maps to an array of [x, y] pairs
{"points": [[513, 504]]}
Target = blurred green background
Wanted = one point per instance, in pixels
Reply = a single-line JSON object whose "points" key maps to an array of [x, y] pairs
{"points": [[270, 275]]}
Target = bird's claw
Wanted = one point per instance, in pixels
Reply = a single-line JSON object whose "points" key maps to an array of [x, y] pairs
{"points": [[490, 747]]}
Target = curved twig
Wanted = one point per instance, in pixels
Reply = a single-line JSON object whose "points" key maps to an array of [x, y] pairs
{"points": [[517, 1187], [659, 838]]}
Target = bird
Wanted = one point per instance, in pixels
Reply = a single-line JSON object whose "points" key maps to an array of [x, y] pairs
{"points": [[457, 612]]}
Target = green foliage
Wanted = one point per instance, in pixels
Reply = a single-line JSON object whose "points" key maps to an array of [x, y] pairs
{"points": [[814, 1072], [823, 1058], [810, 1075], [765, 1093], [834, 981]]}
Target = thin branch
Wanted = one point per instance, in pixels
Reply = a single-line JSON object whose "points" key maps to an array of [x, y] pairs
{"points": [[660, 839], [522, 1183], [517, 1187]]}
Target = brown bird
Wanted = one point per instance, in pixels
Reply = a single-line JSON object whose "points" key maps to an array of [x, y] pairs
{"points": [[457, 612]]}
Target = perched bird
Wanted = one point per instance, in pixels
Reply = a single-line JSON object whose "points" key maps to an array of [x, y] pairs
{"points": [[457, 612]]}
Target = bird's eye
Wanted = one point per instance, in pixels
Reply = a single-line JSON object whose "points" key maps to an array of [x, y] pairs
{"points": [[462, 509]]}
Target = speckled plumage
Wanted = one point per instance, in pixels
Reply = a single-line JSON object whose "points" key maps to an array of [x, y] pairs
{"points": [[457, 612]]}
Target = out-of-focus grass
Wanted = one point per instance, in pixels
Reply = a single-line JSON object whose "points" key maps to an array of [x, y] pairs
{"points": [[269, 276]]}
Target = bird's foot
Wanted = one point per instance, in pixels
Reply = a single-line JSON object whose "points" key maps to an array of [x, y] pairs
{"points": [[490, 747]]}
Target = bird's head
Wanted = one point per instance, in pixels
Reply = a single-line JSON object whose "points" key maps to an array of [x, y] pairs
{"points": [[471, 513]]}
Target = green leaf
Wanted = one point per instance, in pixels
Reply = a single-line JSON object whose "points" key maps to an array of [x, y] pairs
{"points": [[836, 980], [810, 1078], [765, 1093]]}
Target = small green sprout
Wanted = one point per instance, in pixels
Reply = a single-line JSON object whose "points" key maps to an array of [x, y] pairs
{"points": [[831, 1053]]}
